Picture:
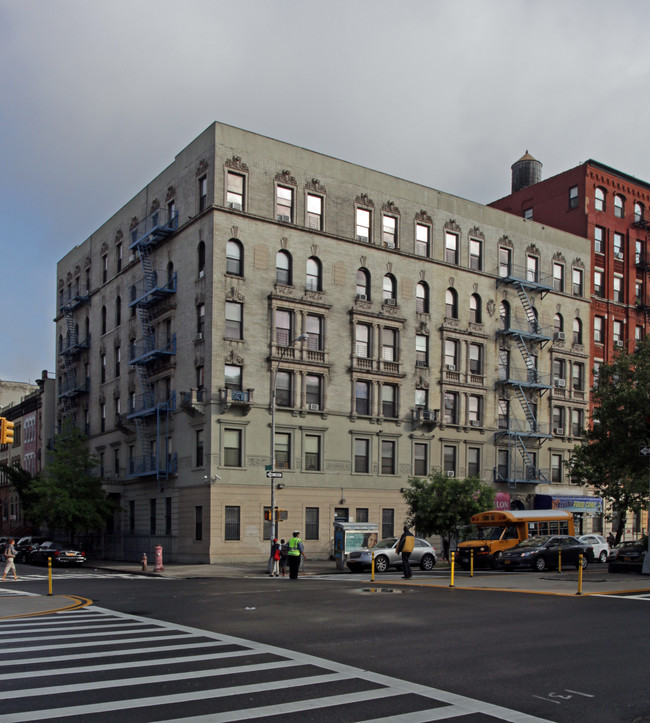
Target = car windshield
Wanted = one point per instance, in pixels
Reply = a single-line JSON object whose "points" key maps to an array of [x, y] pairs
{"points": [[472, 532], [535, 541], [388, 542]]}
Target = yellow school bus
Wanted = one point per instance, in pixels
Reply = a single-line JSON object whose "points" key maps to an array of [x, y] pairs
{"points": [[494, 531]]}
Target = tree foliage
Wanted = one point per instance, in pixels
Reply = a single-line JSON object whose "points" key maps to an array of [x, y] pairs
{"points": [[438, 504], [608, 457], [67, 496]]}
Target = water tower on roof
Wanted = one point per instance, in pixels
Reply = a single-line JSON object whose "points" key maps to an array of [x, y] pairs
{"points": [[525, 172]]}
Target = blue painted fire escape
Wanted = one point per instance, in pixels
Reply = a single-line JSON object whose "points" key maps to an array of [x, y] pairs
{"points": [[524, 436], [152, 409]]}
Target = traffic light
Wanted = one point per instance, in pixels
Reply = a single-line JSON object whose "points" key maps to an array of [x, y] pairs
{"points": [[6, 431]]}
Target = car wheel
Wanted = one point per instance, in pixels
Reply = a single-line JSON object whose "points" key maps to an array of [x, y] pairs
{"points": [[540, 564], [496, 560], [585, 563], [603, 556], [427, 562], [381, 563]]}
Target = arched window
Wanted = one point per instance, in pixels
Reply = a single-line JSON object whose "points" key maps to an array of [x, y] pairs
{"points": [[504, 315], [619, 206], [118, 311], [61, 342], [389, 288], [558, 324], [363, 284], [451, 304], [283, 268], [577, 331], [475, 315], [234, 258], [422, 298], [200, 251], [599, 199], [314, 274], [103, 319], [170, 274], [638, 212]]}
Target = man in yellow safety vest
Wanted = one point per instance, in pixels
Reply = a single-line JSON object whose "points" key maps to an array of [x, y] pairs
{"points": [[295, 551]]}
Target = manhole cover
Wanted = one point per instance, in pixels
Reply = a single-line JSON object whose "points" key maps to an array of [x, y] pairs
{"points": [[381, 589]]}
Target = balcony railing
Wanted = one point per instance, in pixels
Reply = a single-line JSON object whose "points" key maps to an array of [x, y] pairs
{"points": [[146, 405], [75, 346], [71, 387], [154, 227], [525, 378], [70, 299], [147, 465], [148, 350], [522, 275], [149, 291]]}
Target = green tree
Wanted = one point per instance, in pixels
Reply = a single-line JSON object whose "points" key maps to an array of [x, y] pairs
{"points": [[608, 457], [438, 504], [67, 496], [23, 482]]}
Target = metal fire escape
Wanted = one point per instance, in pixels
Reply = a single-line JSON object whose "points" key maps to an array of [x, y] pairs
{"points": [[527, 384], [73, 380], [642, 263], [152, 409]]}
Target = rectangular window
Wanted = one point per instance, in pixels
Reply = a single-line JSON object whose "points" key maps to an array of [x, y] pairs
{"points": [[232, 522], [234, 320], [421, 350], [420, 461], [362, 341], [282, 450], [599, 287], [199, 447], [283, 389], [314, 392], [573, 197], [232, 377], [362, 397], [556, 468], [284, 204], [476, 359], [451, 408], [363, 225], [235, 191], [577, 282], [505, 261], [200, 320], [389, 344], [578, 376], [532, 268], [451, 247], [503, 464], [311, 523], [314, 212], [577, 425], [598, 330], [387, 523], [387, 457], [118, 255], [152, 516], [474, 408], [474, 462], [558, 277], [618, 246], [476, 254], [617, 332], [422, 240], [451, 355], [198, 523], [232, 448], [389, 400], [599, 240], [618, 288], [362, 456], [449, 460], [104, 269], [361, 514], [203, 193], [314, 330], [283, 327], [389, 232], [312, 452]]}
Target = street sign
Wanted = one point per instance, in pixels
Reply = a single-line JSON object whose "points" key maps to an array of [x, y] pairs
{"points": [[273, 475], [644, 452], [268, 467]]}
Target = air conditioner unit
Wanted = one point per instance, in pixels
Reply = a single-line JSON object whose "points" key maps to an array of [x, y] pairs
{"points": [[618, 255], [364, 239], [450, 367], [390, 302], [283, 217], [474, 423], [559, 431], [427, 414], [199, 336], [389, 244], [560, 336], [560, 383], [234, 205], [362, 297], [450, 473], [131, 258], [313, 407], [618, 343], [420, 362]]}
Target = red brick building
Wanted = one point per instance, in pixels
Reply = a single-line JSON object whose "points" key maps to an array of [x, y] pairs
{"points": [[612, 209]]}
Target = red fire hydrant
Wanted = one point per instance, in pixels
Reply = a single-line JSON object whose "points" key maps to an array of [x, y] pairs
{"points": [[159, 559], [144, 562]]}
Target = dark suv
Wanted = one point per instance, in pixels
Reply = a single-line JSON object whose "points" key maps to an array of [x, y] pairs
{"points": [[26, 545]]}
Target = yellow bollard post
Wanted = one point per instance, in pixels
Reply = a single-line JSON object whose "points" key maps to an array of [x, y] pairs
{"points": [[453, 556], [372, 566], [579, 574], [559, 561], [471, 562], [49, 576]]}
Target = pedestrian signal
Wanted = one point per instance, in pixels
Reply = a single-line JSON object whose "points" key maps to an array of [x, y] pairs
{"points": [[6, 431]]}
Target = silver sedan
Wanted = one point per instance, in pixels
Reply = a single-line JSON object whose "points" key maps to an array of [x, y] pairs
{"points": [[386, 556]]}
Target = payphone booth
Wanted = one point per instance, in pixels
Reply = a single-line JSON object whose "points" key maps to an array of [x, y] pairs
{"points": [[352, 536]]}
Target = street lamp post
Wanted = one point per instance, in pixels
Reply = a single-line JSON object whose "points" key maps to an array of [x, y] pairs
{"points": [[274, 379]]}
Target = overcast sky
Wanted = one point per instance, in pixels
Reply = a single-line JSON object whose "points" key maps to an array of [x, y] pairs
{"points": [[97, 97]]}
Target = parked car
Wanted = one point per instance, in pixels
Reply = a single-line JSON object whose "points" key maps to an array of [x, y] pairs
{"points": [[598, 545], [59, 553], [386, 556], [542, 553], [628, 556], [26, 545]]}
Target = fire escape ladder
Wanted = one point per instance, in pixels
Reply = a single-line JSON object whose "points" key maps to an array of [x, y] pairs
{"points": [[526, 406]]}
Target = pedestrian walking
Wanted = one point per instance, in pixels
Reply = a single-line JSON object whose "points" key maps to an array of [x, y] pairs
{"points": [[611, 539], [283, 556], [295, 553], [276, 554], [10, 553], [405, 547]]}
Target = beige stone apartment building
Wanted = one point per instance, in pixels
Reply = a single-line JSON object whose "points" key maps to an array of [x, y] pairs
{"points": [[399, 329]]}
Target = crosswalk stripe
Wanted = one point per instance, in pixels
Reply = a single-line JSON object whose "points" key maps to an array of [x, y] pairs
{"points": [[101, 643]]}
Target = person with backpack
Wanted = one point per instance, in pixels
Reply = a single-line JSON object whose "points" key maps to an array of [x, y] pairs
{"points": [[405, 546], [10, 553]]}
